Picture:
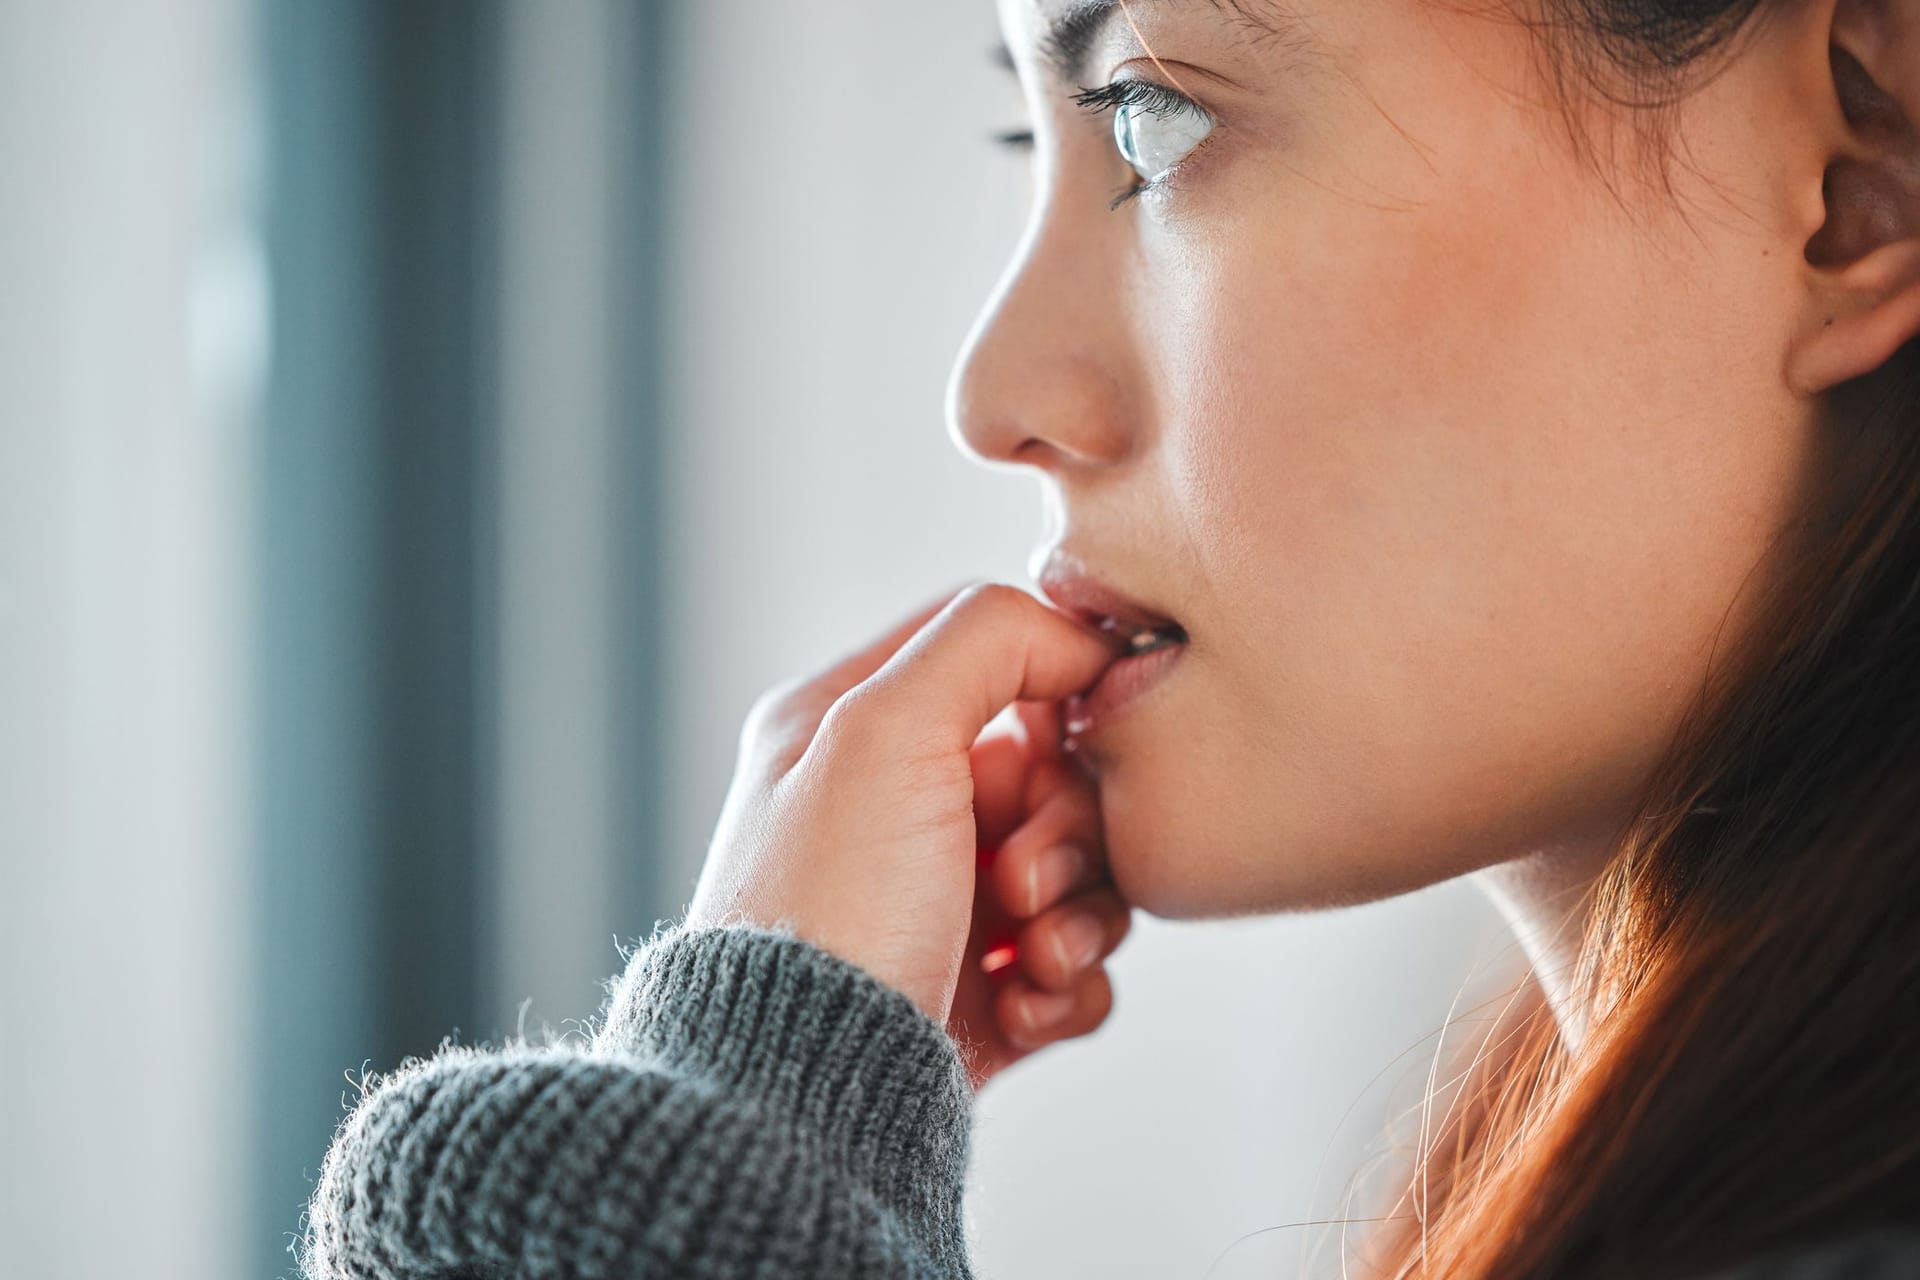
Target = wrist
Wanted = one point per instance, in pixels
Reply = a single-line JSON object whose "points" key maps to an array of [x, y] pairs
{"points": [[808, 1035]]}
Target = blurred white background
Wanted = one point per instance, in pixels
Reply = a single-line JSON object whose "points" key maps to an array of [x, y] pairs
{"points": [[716, 261]]}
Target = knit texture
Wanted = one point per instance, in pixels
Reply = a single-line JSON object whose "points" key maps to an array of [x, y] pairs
{"points": [[751, 1106]]}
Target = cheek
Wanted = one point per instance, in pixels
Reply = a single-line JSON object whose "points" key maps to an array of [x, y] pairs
{"points": [[1462, 551]]}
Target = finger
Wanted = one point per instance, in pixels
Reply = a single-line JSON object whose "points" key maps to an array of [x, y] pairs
{"points": [[1040, 721], [857, 666], [1059, 945], [1051, 775], [999, 763], [1014, 774], [1031, 1017], [1052, 854], [785, 718], [992, 645]]}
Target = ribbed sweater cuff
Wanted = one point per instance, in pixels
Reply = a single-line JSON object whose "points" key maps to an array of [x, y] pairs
{"points": [[811, 1037]]}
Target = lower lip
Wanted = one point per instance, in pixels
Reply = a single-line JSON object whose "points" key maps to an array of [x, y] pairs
{"points": [[1117, 688]]}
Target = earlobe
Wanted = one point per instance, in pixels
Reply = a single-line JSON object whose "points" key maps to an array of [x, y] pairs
{"points": [[1857, 324], [1863, 302]]}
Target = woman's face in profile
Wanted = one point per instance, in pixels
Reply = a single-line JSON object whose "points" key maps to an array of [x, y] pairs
{"points": [[1449, 449]]}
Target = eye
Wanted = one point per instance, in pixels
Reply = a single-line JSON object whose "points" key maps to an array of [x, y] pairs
{"points": [[1154, 127], [1152, 142]]}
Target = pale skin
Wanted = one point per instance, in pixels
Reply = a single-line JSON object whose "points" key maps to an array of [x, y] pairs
{"points": [[1454, 464]]}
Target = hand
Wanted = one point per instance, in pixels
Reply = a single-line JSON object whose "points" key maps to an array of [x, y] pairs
{"points": [[1043, 866], [851, 812]]}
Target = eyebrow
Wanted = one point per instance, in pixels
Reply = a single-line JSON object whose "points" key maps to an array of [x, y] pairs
{"points": [[1071, 35]]}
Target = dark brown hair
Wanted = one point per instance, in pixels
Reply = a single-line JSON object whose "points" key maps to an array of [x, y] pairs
{"points": [[1750, 1074]]}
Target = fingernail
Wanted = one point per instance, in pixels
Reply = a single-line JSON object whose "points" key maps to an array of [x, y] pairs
{"points": [[1079, 939], [1053, 870], [1043, 1009]]}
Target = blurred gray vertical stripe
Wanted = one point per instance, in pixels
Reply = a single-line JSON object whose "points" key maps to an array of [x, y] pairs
{"points": [[558, 296], [577, 615], [460, 548]]}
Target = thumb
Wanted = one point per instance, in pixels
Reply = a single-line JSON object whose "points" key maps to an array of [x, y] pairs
{"points": [[991, 645]]}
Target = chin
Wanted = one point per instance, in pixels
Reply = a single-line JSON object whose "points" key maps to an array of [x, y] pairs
{"points": [[1160, 862], [1178, 852]]}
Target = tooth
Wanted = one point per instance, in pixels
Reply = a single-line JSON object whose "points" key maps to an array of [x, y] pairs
{"points": [[1142, 639]]}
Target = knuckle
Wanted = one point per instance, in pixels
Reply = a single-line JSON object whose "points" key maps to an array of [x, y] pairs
{"points": [[774, 700], [774, 714], [857, 718]]}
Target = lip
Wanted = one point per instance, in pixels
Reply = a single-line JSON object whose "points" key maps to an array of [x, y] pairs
{"points": [[1119, 687], [1065, 580]]}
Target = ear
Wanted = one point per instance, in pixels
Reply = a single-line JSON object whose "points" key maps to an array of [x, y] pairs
{"points": [[1863, 300]]}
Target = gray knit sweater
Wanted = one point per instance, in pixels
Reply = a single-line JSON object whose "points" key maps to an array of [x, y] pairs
{"points": [[750, 1106]]}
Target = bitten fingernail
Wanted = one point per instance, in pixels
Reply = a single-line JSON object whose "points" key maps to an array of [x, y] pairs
{"points": [[1043, 1009], [1053, 869], [1080, 938]]}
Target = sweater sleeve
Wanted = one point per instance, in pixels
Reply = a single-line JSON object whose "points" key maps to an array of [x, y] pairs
{"points": [[751, 1105]]}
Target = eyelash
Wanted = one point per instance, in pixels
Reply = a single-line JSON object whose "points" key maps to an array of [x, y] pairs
{"points": [[1130, 91]]}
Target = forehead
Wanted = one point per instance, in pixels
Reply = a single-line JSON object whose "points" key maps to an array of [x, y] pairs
{"points": [[1257, 12], [1063, 31]]}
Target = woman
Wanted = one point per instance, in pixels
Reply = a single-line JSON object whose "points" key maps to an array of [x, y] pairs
{"points": [[1485, 438]]}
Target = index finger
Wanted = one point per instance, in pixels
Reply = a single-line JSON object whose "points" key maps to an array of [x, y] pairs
{"points": [[857, 666]]}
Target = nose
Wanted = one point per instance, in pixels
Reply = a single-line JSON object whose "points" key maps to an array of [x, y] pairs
{"points": [[1045, 378]]}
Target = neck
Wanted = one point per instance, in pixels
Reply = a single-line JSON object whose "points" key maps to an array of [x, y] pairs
{"points": [[1544, 899]]}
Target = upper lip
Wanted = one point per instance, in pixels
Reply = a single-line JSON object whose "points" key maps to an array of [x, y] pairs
{"points": [[1065, 579]]}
